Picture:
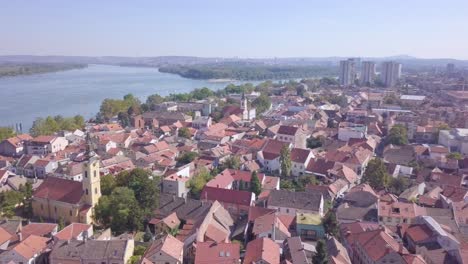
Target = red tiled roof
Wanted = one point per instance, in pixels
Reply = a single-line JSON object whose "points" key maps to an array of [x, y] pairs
{"points": [[72, 231], [262, 249], [288, 130], [4, 236], [226, 196], [41, 163], [168, 245], [256, 211], [222, 253], [299, 155], [38, 229], [31, 246], [419, 232], [44, 139], [62, 190], [373, 242]]}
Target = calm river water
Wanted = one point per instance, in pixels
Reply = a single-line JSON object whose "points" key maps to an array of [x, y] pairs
{"points": [[23, 98]]}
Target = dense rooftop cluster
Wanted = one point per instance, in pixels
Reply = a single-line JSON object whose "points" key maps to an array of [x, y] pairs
{"points": [[322, 174]]}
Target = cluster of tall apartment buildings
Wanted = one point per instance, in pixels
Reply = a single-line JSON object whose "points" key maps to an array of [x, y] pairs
{"points": [[390, 72]]}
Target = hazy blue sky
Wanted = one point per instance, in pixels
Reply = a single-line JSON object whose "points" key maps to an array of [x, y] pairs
{"points": [[244, 28]]}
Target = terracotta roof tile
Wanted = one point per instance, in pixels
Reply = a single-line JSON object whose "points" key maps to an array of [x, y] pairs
{"points": [[62, 190], [262, 249], [223, 253], [72, 231]]}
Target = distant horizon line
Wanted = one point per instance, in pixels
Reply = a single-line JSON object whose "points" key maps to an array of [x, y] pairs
{"points": [[400, 56]]}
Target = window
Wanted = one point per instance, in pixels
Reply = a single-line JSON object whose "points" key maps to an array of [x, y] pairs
{"points": [[86, 174], [95, 174], [95, 190], [71, 213], [55, 209], [86, 191]]}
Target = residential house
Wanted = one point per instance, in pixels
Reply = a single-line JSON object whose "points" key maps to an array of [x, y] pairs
{"points": [[292, 135], [269, 156], [262, 250], [76, 231], [347, 131], [43, 145], [294, 252], [30, 250], [14, 146], [299, 160], [202, 122], [38, 229], [291, 203], [309, 226], [166, 225], [337, 253], [43, 167], [236, 202], [223, 253], [166, 250], [395, 212], [271, 226], [456, 140], [91, 251]]}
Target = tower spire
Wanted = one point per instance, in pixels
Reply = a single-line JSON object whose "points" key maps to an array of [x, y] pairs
{"points": [[89, 147]]}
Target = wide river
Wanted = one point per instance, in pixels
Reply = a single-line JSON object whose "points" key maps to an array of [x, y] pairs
{"points": [[68, 93]]}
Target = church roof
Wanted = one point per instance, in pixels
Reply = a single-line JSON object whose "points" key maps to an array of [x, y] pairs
{"points": [[62, 190]]}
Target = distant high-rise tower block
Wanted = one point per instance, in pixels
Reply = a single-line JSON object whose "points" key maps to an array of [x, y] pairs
{"points": [[367, 72], [450, 68], [390, 73], [347, 72]]}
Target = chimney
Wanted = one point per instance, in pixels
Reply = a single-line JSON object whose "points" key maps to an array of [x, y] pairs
{"points": [[85, 236], [20, 236]]}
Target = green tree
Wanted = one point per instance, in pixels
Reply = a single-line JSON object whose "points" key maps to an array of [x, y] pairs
{"points": [[153, 100], [285, 161], [398, 185], [455, 155], [139, 250], [321, 256], [261, 104], [6, 132], [376, 174], [331, 224], [313, 142], [53, 124], [9, 200], [398, 135], [199, 181], [304, 181], [255, 185], [186, 158], [108, 184], [144, 186], [124, 118], [27, 192], [61, 223], [286, 184], [185, 133], [232, 162], [148, 236], [120, 211]]}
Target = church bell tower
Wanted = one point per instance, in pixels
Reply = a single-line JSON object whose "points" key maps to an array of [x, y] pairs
{"points": [[91, 177]]}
